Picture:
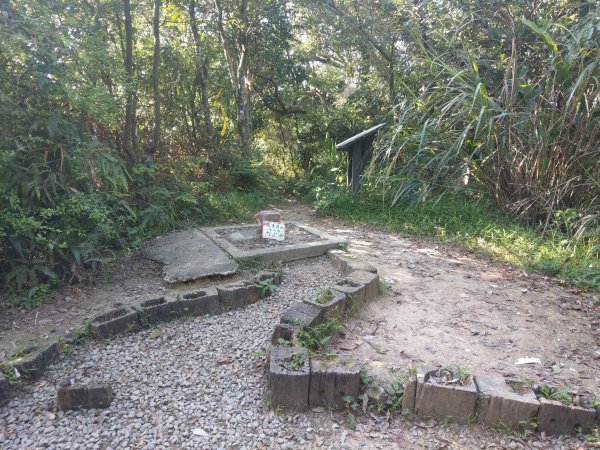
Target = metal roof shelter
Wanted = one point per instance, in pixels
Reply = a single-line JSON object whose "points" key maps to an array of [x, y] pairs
{"points": [[358, 148]]}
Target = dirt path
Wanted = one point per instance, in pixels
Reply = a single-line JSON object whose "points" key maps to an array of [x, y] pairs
{"points": [[444, 306]]}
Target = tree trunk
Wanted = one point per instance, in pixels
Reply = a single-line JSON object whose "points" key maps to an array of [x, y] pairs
{"points": [[155, 62], [202, 65], [243, 93], [128, 131], [238, 70]]}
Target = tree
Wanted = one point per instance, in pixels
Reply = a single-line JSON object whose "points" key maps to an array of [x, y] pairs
{"points": [[236, 52]]}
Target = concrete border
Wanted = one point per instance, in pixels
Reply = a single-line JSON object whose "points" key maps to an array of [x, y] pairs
{"points": [[33, 363], [290, 252]]}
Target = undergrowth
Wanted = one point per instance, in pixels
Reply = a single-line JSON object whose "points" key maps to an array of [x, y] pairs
{"points": [[551, 252]]}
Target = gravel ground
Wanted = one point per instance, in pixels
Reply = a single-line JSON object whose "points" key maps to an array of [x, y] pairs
{"points": [[200, 383]]}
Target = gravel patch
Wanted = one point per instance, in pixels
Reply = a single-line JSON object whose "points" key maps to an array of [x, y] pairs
{"points": [[200, 384], [195, 383]]}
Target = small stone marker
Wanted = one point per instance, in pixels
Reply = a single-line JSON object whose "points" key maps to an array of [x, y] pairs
{"points": [[267, 216], [273, 230], [84, 396], [289, 378]]}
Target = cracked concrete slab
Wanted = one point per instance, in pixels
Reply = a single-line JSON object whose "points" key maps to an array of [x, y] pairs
{"points": [[189, 255]]}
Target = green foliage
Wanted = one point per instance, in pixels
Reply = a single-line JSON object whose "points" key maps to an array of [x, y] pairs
{"points": [[324, 296], [316, 338], [472, 223], [517, 123], [266, 287], [563, 395]]}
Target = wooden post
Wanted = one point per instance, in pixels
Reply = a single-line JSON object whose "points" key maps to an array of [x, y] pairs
{"points": [[356, 166]]}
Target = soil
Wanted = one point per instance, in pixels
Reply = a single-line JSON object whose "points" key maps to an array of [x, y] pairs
{"points": [[446, 305]]}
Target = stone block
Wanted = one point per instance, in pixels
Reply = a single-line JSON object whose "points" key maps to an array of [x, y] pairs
{"points": [[410, 387], [304, 315], [448, 401], [200, 303], [333, 308], [347, 263], [331, 379], [155, 310], [289, 378], [353, 266], [84, 396], [237, 295], [369, 279], [6, 392], [268, 216], [500, 406], [32, 362], [116, 321], [284, 331], [355, 292], [554, 418]]}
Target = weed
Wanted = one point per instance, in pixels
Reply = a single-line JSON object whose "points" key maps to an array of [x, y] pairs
{"points": [[266, 287], [324, 296], [385, 286], [316, 338], [283, 342], [351, 305], [563, 395], [85, 333], [66, 349], [16, 380], [254, 263]]}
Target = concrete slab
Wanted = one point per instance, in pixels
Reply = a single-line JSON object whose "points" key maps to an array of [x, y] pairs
{"points": [[190, 255], [322, 243]]}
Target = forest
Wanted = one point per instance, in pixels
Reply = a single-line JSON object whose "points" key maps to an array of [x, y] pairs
{"points": [[120, 121]]}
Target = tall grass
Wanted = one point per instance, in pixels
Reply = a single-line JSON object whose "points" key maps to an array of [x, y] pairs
{"points": [[520, 122]]}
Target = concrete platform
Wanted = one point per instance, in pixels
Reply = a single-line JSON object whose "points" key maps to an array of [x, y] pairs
{"points": [[322, 243], [190, 255]]}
